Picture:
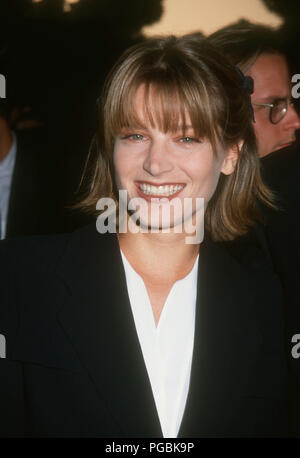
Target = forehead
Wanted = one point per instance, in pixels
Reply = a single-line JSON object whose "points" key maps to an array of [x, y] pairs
{"points": [[271, 77], [145, 100]]}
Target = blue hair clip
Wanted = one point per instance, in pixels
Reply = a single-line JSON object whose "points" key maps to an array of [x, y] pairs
{"points": [[248, 85]]}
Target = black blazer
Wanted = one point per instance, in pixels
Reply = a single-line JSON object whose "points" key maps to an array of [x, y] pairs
{"points": [[74, 366], [281, 171]]}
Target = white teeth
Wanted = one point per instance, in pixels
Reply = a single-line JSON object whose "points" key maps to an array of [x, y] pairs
{"points": [[167, 190]]}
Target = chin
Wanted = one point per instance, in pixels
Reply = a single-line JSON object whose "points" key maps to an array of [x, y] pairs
{"points": [[160, 222]]}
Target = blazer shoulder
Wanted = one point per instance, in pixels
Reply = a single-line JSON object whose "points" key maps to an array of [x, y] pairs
{"points": [[250, 268], [251, 250]]}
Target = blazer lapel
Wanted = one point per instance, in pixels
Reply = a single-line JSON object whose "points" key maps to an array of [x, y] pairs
{"points": [[98, 320]]}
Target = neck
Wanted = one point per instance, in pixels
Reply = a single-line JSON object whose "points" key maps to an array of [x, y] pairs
{"points": [[165, 257], [6, 139]]}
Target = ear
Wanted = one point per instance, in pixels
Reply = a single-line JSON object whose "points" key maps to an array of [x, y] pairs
{"points": [[231, 157]]}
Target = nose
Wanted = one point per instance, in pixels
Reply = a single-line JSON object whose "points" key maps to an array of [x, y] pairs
{"points": [[292, 120], [157, 159]]}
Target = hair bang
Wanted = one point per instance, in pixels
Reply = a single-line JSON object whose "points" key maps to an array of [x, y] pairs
{"points": [[168, 105]]}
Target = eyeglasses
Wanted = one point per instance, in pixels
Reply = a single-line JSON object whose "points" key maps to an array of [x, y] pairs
{"points": [[278, 109]]}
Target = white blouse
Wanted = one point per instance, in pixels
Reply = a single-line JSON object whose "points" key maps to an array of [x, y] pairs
{"points": [[168, 348]]}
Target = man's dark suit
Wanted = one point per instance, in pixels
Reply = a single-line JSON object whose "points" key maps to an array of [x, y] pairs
{"points": [[281, 171], [74, 365], [33, 204]]}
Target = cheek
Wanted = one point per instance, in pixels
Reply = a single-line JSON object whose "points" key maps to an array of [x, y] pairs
{"points": [[265, 132], [263, 127], [205, 177], [122, 165], [259, 127]]}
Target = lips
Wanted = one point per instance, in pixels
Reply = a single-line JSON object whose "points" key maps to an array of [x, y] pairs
{"points": [[151, 190], [285, 145]]}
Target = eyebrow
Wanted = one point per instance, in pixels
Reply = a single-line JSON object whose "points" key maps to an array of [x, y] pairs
{"points": [[270, 98]]}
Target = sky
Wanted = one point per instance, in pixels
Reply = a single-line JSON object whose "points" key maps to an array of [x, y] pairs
{"points": [[185, 16]]}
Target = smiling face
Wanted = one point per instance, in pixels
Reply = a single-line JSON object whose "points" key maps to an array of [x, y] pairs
{"points": [[272, 82], [152, 164]]}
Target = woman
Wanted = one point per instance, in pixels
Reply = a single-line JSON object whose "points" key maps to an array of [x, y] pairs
{"points": [[140, 333]]}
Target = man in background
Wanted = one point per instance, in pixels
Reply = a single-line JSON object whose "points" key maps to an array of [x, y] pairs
{"points": [[28, 195], [257, 51]]}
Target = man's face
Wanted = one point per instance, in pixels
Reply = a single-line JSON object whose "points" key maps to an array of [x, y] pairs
{"points": [[272, 82]]}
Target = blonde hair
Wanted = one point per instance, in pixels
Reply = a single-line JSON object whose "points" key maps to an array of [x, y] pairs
{"points": [[186, 75]]}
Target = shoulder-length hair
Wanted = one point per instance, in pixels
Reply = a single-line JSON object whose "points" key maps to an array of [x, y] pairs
{"points": [[187, 76]]}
